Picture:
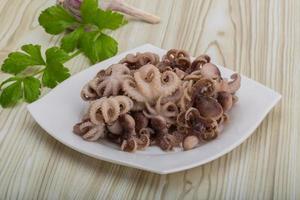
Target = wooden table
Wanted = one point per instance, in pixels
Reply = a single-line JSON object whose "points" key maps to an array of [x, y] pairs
{"points": [[260, 39]]}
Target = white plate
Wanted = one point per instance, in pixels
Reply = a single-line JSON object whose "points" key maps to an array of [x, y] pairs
{"points": [[61, 108]]}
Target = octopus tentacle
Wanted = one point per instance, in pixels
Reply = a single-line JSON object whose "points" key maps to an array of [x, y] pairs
{"points": [[95, 112], [149, 84], [235, 84], [87, 93], [140, 59], [125, 104], [168, 111], [194, 76], [170, 82], [176, 59], [89, 131], [130, 88], [106, 83], [110, 110]]}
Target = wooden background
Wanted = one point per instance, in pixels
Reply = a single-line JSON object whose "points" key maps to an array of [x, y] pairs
{"points": [[260, 39]]}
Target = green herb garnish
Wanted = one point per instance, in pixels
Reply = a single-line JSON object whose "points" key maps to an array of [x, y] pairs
{"points": [[86, 33], [28, 67]]}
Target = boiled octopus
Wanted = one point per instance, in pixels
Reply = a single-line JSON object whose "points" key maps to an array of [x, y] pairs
{"points": [[142, 101], [106, 83]]}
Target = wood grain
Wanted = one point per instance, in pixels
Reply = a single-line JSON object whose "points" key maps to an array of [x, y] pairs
{"points": [[260, 39]]}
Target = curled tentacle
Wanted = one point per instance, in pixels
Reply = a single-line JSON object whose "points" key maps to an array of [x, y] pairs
{"points": [[235, 84], [199, 62], [204, 87], [109, 109], [106, 83], [176, 59], [168, 111], [149, 84], [170, 82], [125, 104], [229, 86], [89, 131], [185, 100], [194, 76], [175, 97], [140, 59]]}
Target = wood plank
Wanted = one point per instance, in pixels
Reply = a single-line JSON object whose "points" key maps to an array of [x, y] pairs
{"points": [[260, 39]]}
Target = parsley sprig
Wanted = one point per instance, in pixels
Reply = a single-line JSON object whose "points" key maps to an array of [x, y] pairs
{"points": [[30, 71], [87, 33]]}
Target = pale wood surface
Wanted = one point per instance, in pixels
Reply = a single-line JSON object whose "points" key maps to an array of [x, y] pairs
{"points": [[260, 39]]}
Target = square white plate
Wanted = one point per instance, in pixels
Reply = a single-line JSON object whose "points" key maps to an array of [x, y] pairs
{"points": [[61, 108]]}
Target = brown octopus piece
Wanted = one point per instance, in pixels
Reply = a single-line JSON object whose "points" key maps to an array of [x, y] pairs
{"points": [[199, 62], [212, 130], [208, 107], [164, 140], [175, 59], [204, 128], [141, 121], [130, 140], [210, 71], [226, 100], [204, 87], [89, 131], [106, 83], [230, 86], [140, 59]]}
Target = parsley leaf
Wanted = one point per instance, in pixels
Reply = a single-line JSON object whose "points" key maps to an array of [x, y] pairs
{"points": [[56, 19], [88, 9], [18, 61], [28, 87], [56, 54], [54, 73], [98, 46], [11, 94], [70, 41], [32, 88], [115, 20], [91, 14]]}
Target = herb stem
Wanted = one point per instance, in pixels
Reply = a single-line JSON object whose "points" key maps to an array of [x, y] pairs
{"points": [[37, 72], [74, 55]]}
